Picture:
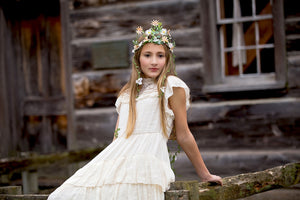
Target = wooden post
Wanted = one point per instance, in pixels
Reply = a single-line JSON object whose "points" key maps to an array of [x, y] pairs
{"points": [[66, 46], [4, 119], [30, 182], [10, 94]]}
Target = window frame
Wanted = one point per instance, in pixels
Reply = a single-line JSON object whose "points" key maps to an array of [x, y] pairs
{"points": [[214, 80]]}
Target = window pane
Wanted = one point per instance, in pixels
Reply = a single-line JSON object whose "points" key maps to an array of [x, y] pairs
{"points": [[249, 30], [263, 7], [246, 7], [227, 35], [229, 69], [250, 66], [226, 8], [247, 59], [267, 60], [266, 31]]}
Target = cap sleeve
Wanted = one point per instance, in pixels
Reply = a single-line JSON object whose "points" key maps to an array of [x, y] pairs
{"points": [[173, 81], [123, 98]]}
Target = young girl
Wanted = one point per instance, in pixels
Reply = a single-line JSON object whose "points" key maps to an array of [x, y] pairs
{"points": [[136, 164]]}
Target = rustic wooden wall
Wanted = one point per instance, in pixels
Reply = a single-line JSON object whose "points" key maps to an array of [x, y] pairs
{"points": [[37, 79], [4, 122], [9, 100]]}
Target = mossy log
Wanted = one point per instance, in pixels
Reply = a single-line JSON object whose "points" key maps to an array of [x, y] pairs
{"points": [[36, 161], [244, 185], [24, 197], [236, 187], [11, 190]]}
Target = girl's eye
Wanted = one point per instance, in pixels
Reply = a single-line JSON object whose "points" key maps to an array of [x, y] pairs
{"points": [[147, 55], [161, 55]]}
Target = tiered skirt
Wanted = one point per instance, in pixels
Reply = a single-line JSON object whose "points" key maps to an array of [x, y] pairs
{"points": [[133, 168]]}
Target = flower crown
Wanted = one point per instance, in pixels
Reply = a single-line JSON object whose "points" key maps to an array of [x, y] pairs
{"points": [[156, 34]]}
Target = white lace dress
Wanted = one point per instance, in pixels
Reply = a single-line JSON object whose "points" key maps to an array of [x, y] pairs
{"points": [[134, 168]]}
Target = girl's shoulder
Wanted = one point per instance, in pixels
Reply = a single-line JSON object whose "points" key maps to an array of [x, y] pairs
{"points": [[174, 81], [122, 98], [124, 95]]}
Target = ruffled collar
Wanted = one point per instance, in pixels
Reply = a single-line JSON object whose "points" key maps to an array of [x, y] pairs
{"points": [[148, 81], [149, 84]]}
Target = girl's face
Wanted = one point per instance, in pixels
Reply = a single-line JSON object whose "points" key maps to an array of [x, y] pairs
{"points": [[152, 60]]}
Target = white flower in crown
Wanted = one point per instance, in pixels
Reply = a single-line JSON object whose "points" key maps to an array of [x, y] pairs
{"points": [[155, 39], [148, 32], [139, 30], [139, 81], [163, 89], [163, 31], [171, 46], [155, 23], [140, 44], [136, 47], [145, 40], [165, 39]]}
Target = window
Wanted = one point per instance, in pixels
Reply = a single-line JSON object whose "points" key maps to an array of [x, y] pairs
{"points": [[243, 45]]}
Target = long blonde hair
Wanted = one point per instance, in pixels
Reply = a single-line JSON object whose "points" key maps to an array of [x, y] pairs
{"points": [[132, 88]]}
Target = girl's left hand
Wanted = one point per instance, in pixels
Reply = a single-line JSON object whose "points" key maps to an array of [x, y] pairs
{"points": [[213, 179]]}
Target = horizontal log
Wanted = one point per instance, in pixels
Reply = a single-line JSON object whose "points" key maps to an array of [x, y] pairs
{"points": [[24, 197], [32, 162], [244, 185], [13, 190], [239, 186], [234, 187], [45, 106], [97, 21]]}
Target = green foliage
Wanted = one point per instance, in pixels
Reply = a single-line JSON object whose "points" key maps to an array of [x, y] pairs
{"points": [[117, 132], [173, 157]]}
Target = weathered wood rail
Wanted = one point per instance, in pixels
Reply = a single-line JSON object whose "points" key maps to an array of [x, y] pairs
{"points": [[234, 187], [35, 161], [28, 165]]}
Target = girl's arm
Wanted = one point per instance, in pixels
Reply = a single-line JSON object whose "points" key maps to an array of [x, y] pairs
{"points": [[185, 139], [116, 129]]}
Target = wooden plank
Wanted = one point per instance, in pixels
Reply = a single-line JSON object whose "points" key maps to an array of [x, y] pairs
{"points": [[56, 66], [4, 114], [45, 106], [211, 55], [279, 41], [14, 82], [46, 135], [44, 49], [67, 72], [35, 161], [29, 33]]}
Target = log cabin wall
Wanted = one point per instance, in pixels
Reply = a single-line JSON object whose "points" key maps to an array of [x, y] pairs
{"points": [[35, 79], [96, 89]]}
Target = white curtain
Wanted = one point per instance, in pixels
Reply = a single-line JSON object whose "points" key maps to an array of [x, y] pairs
{"points": [[238, 36]]}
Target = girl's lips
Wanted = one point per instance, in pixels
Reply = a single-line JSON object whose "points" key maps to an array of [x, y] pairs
{"points": [[153, 69]]}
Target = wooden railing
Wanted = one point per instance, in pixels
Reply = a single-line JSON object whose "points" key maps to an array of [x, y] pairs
{"points": [[28, 165], [234, 187]]}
